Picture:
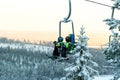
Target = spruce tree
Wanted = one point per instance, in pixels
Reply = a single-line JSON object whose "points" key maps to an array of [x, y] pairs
{"points": [[82, 68], [112, 52]]}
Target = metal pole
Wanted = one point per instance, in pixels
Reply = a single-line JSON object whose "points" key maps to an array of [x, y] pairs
{"points": [[60, 23], [72, 26], [69, 14], [60, 28], [113, 9], [109, 40]]}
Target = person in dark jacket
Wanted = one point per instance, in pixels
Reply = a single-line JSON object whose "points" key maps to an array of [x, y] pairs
{"points": [[58, 47]]}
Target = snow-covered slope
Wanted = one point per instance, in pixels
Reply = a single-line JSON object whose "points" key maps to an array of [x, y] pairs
{"points": [[103, 77], [40, 65], [32, 47]]}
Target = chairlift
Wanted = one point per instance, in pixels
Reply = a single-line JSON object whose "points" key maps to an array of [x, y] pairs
{"points": [[115, 6], [71, 35]]}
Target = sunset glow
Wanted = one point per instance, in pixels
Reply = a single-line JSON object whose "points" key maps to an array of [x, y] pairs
{"points": [[37, 20]]}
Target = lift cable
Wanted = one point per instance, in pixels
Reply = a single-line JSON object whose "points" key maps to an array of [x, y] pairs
{"points": [[99, 3], [113, 7]]}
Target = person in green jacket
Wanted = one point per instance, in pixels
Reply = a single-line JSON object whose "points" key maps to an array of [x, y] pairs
{"points": [[68, 45]]}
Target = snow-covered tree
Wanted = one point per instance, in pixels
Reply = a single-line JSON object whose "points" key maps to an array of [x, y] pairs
{"points": [[113, 23], [82, 68], [117, 4], [112, 52]]}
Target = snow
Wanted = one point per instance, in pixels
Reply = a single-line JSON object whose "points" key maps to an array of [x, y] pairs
{"points": [[47, 49], [104, 77], [33, 47]]}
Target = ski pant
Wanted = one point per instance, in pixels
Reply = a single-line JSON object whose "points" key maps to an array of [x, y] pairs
{"points": [[55, 52], [64, 52]]}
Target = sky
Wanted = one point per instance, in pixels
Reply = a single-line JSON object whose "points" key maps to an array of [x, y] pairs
{"points": [[39, 19]]}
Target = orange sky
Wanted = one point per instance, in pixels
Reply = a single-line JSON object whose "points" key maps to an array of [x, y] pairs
{"points": [[35, 36]]}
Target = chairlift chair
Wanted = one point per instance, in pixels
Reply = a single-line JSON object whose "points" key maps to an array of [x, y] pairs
{"points": [[115, 6]]}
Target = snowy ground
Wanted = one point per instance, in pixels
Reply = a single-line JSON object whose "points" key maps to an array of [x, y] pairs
{"points": [[40, 65], [103, 77], [27, 47]]}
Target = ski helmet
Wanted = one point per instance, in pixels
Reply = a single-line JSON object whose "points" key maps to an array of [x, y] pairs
{"points": [[60, 39]]}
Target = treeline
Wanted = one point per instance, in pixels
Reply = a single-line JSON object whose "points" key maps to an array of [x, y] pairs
{"points": [[7, 40]]}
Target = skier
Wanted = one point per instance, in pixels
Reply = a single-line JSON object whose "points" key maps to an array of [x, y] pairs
{"points": [[62, 48], [68, 46], [58, 47]]}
